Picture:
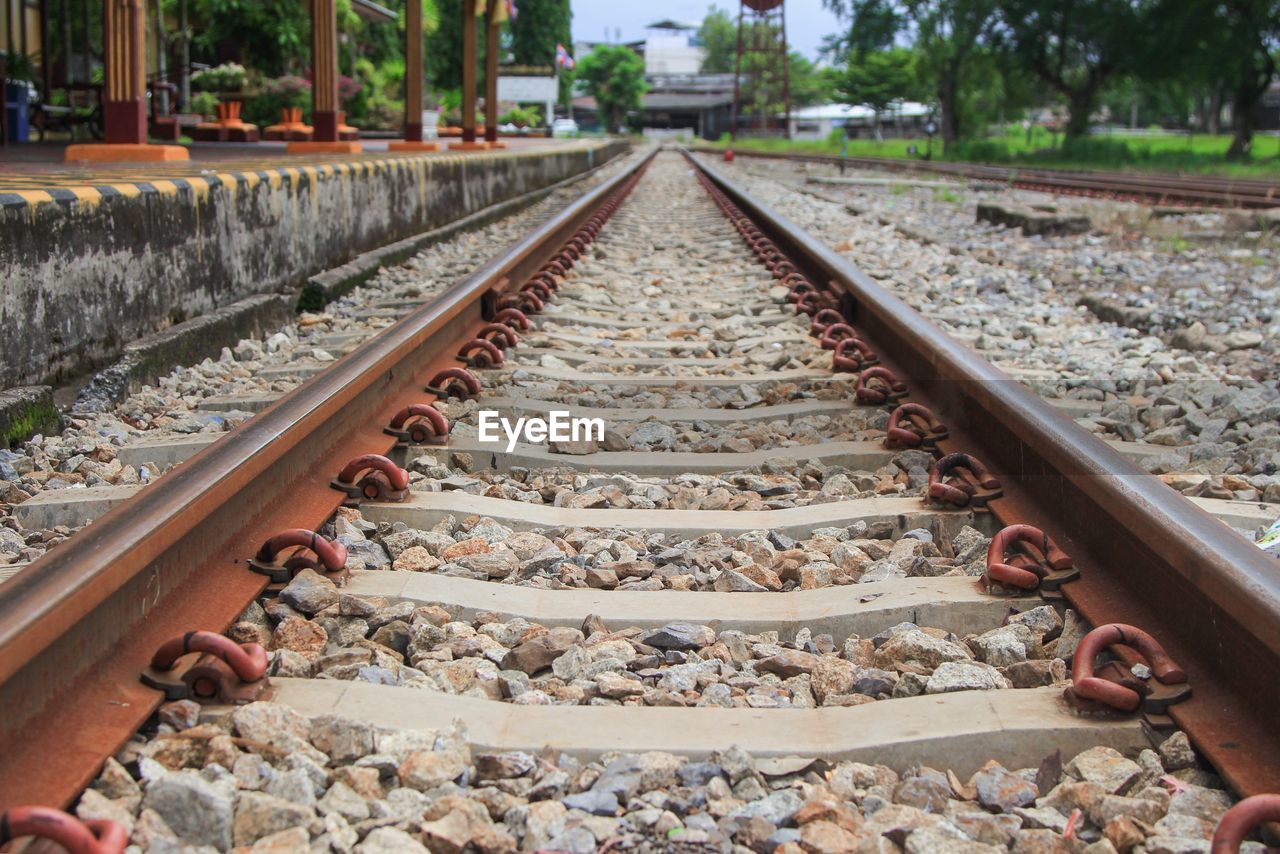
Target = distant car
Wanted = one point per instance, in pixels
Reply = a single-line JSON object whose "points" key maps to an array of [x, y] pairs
{"points": [[564, 127]]}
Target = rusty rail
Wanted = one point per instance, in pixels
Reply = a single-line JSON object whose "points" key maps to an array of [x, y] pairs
{"points": [[1147, 556], [77, 625], [1157, 189]]}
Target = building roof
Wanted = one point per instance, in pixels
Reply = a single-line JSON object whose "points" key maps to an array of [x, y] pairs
{"points": [[672, 24], [823, 112], [683, 101], [838, 112], [667, 101]]}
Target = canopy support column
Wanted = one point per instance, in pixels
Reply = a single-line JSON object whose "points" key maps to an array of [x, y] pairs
{"points": [[413, 83], [325, 105], [124, 92], [468, 142]]}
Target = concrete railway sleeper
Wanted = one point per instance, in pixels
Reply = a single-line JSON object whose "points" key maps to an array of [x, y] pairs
{"points": [[865, 629]]}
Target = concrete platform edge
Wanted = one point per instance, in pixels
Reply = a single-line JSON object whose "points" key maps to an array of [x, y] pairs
{"points": [[326, 286]]}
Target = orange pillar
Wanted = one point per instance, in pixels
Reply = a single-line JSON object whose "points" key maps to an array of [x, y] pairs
{"points": [[413, 83], [124, 91], [324, 84], [468, 142]]}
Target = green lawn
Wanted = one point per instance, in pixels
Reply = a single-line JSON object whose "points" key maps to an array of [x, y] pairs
{"points": [[1201, 153]]}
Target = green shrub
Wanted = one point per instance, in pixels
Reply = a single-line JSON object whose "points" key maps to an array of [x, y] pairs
{"points": [[522, 117], [204, 103], [275, 94]]}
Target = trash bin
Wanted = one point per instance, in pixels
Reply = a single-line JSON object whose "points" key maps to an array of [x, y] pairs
{"points": [[16, 95]]}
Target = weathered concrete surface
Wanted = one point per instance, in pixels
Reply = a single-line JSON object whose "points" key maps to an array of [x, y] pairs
{"points": [[330, 284], [1033, 221], [959, 731], [955, 604], [186, 343], [26, 411], [80, 280]]}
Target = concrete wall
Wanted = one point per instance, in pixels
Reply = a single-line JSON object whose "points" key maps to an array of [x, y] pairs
{"points": [[82, 277]]}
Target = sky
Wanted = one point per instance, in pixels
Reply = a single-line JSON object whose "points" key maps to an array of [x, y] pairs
{"points": [[807, 20]]}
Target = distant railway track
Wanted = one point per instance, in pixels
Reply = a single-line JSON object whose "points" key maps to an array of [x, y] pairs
{"points": [[79, 625], [1121, 186]]}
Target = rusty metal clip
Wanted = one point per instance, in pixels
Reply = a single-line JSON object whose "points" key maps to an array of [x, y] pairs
{"points": [[913, 425], [94, 836], [879, 385], [842, 362], [800, 287], [1118, 688], [782, 268], [383, 480], [810, 303], [208, 666], [526, 302], [837, 332], [479, 353], [962, 480], [1238, 821], [330, 557], [548, 281], [512, 317], [419, 424], [537, 287], [1038, 563], [499, 334], [823, 319], [454, 382]]}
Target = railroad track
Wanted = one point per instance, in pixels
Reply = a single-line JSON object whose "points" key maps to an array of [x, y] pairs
{"points": [[758, 567], [1120, 186]]}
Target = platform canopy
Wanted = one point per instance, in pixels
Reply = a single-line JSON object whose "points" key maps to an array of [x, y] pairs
{"points": [[370, 11]]}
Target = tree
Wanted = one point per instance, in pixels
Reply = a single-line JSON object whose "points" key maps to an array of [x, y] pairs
{"points": [[877, 78], [719, 37], [535, 32], [273, 38], [443, 54], [443, 57], [1076, 46], [810, 85], [949, 37], [1238, 39], [614, 76]]}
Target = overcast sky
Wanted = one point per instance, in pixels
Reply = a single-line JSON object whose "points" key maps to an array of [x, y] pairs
{"points": [[807, 20]]}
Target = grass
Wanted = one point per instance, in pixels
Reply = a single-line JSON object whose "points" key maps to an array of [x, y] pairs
{"points": [[1196, 154]]}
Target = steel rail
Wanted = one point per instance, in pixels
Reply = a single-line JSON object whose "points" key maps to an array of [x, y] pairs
{"points": [[78, 625], [1227, 192], [1147, 555]]}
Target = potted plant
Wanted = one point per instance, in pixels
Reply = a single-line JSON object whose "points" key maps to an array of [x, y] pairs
{"points": [[18, 95], [204, 104]]}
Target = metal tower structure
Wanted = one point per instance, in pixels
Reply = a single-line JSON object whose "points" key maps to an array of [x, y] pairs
{"points": [[762, 48]]}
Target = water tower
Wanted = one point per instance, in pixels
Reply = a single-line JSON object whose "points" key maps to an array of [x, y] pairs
{"points": [[762, 58]]}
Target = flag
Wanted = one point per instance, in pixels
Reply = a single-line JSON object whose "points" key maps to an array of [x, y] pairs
{"points": [[512, 11], [481, 6], [563, 58]]}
